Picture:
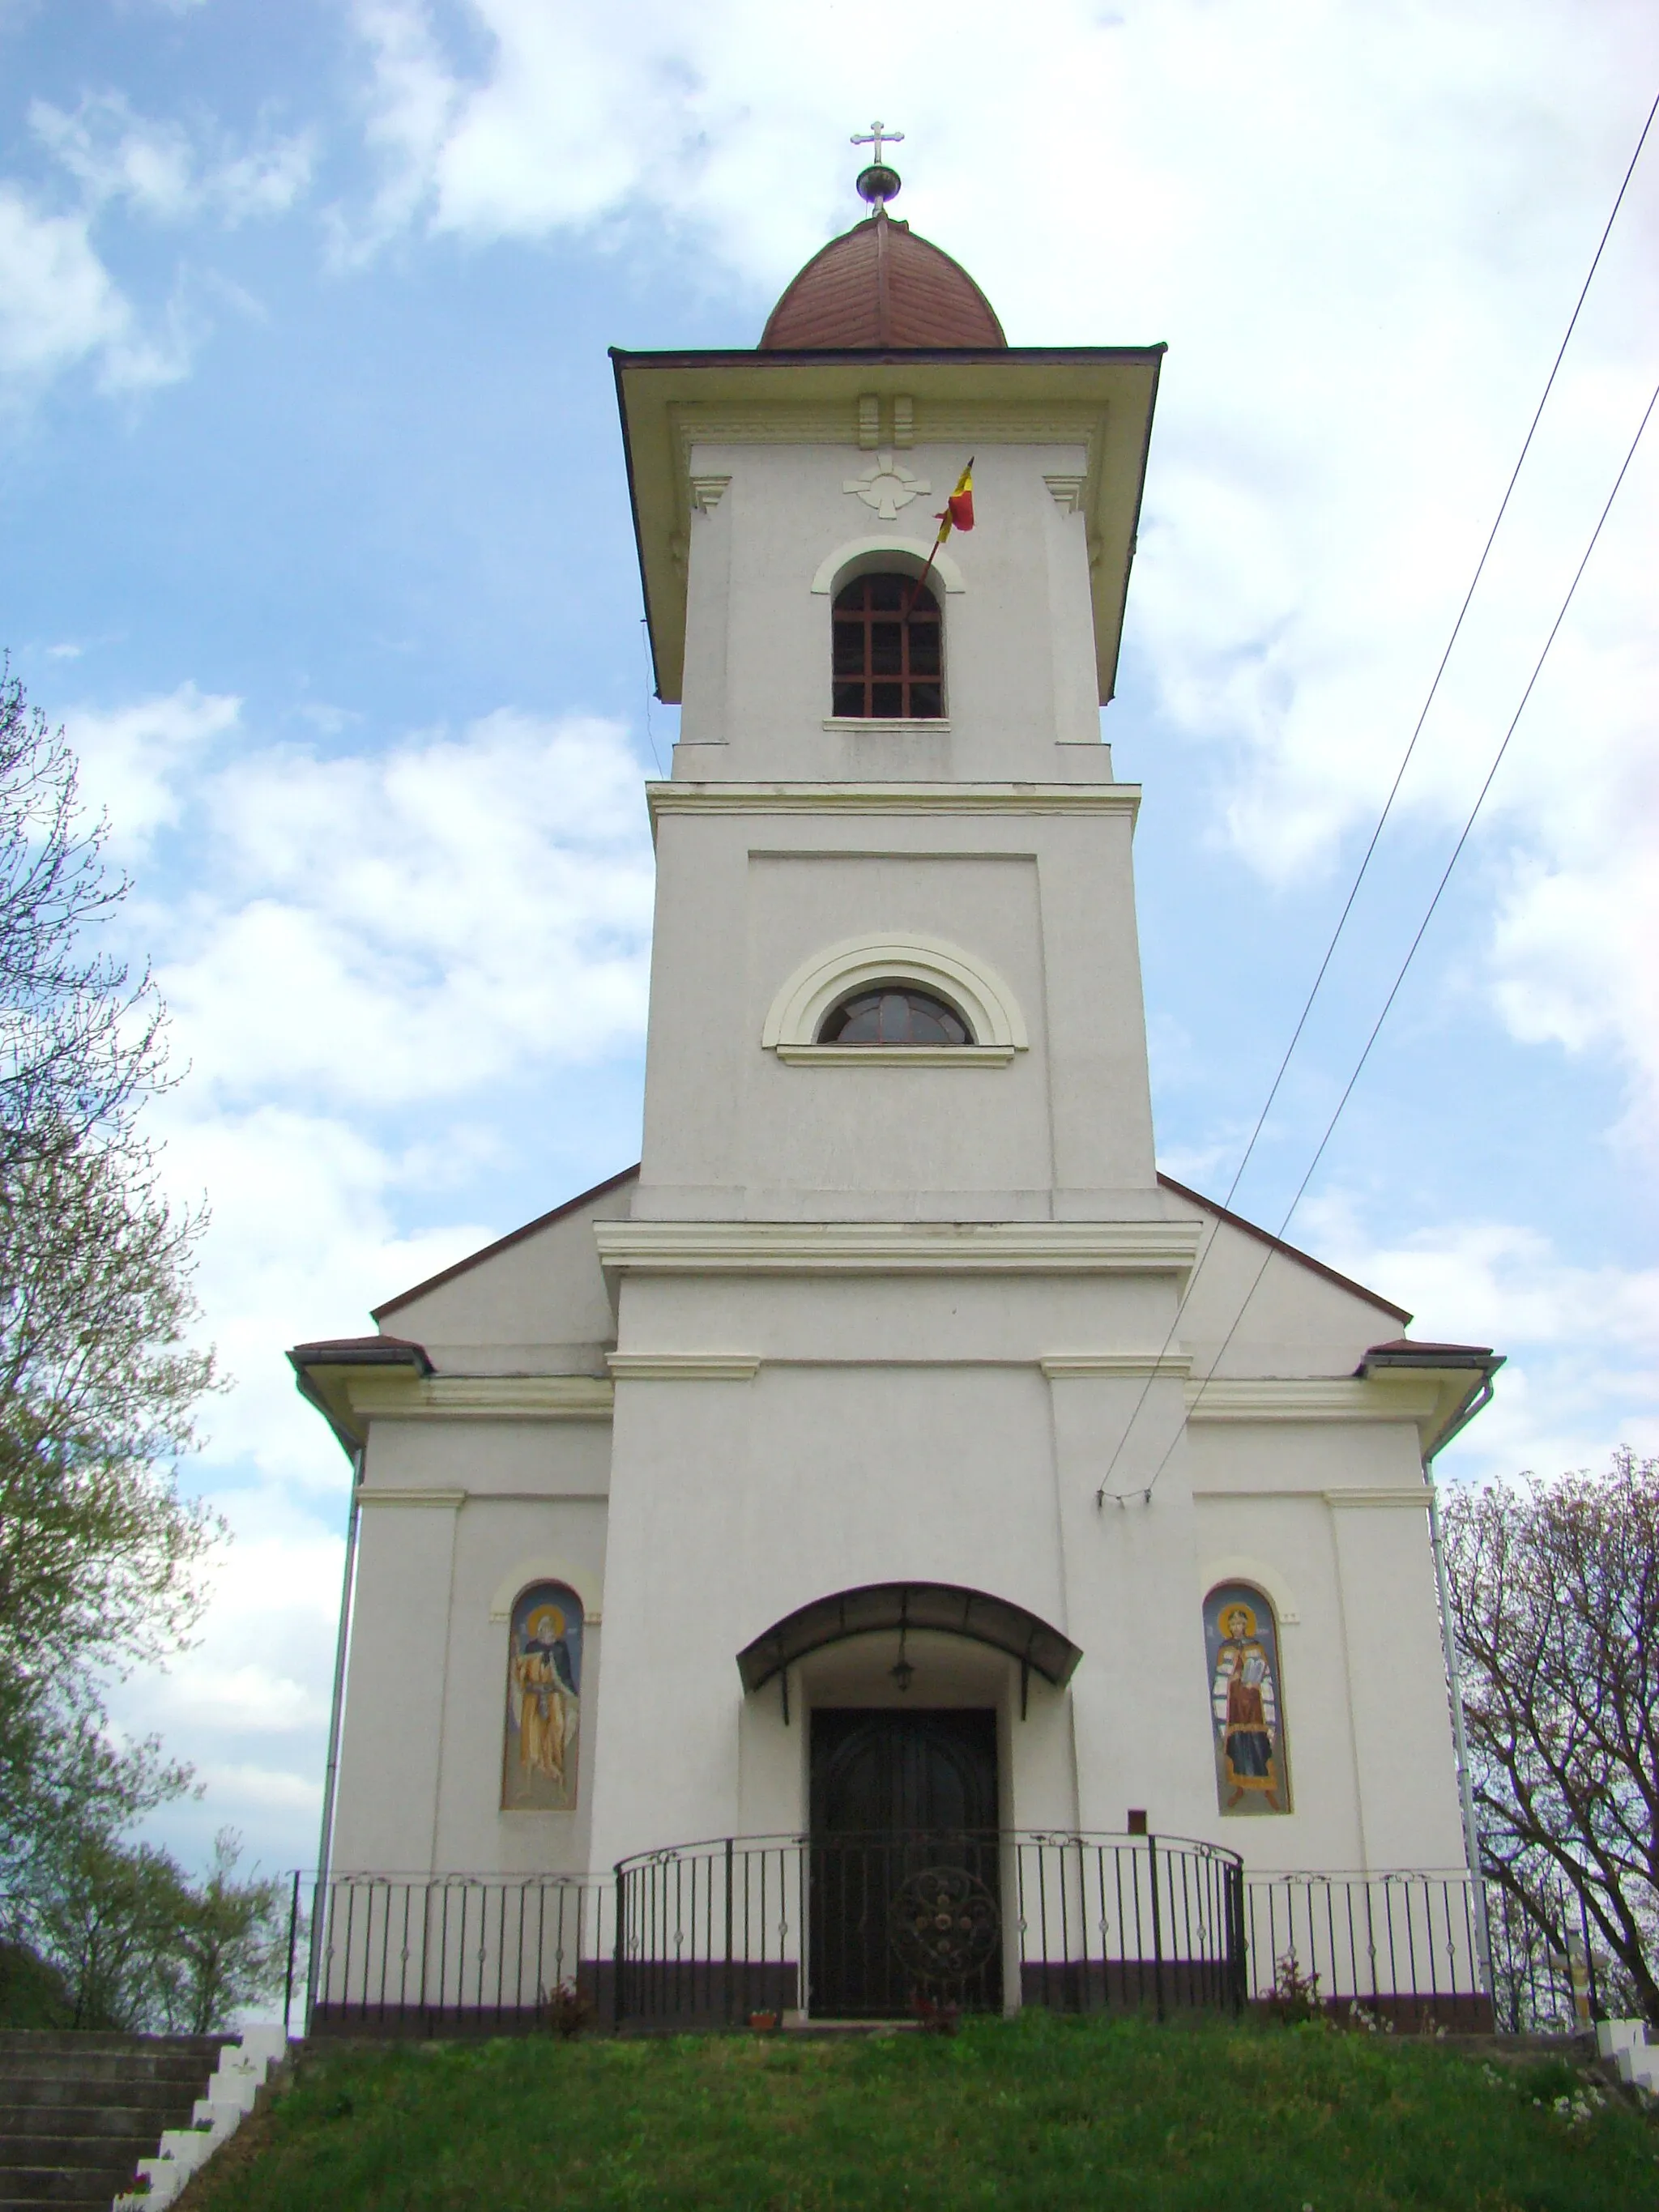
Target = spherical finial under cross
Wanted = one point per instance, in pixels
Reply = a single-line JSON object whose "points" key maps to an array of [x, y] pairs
{"points": [[880, 182]]}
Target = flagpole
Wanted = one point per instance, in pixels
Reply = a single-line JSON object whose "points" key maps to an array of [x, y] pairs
{"points": [[943, 532]]}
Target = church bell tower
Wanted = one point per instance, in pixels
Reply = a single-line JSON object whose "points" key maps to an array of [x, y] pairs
{"points": [[898, 1264]]}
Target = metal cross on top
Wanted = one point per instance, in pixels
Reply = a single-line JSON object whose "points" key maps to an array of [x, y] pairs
{"points": [[876, 138]]}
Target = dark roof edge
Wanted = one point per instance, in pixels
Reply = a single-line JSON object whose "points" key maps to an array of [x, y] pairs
{"points": [[617, 357], [731, 357], [1478, 1357], [512, 1237], [1134, 529], [360, 1351], [1290, 1251]]}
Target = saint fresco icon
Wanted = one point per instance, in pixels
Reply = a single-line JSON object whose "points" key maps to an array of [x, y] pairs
{"points": [[1241, 1639], [543, 1700]]}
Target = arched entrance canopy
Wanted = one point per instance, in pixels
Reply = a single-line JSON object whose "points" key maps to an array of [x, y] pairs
{"points": [[982, 1619]]}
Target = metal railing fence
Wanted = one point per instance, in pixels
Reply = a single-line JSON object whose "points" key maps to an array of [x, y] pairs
{"points": [[453, 1955], [713, 1934], [1402, 1946], [867, 1926]]}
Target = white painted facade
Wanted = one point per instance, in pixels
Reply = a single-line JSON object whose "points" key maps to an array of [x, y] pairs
{"points": [[867, 1316]]}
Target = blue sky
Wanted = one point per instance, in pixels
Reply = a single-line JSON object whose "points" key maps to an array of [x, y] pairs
{"points": [[317, 539]]}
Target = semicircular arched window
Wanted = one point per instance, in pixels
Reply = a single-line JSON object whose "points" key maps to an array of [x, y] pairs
{"points": [[894, 1014], [1247, 1700], [543, 1700], [889, 650]]}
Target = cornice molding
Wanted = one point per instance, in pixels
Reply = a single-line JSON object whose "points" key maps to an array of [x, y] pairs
{"points": [[683, 1366], [383, 1395], [914, 799], [1278, 1398], [451, 1500], [1416, 1497], [1083, 1366], [880, 1248], [1417, 1398]]}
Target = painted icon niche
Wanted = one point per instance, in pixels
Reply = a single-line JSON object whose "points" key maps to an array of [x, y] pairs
{"points": [[1247, 1700], [543, 1700]]}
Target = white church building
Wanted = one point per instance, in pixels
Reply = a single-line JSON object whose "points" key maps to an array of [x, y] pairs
{"points": [[893, 1491]]}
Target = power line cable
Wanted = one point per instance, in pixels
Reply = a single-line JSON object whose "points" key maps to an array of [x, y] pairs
{"points": [[1410, 952], [1399, 773]]}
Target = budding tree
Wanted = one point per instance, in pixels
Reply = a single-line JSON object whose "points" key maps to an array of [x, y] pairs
{"points": [[1555, 1599], [100, 1554]]}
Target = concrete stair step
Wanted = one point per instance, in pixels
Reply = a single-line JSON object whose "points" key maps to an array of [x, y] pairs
{"points": [[62, 2185], [54, 2092], [100, 2066], [96, 2039], [63, 2118], [102, 2149]]}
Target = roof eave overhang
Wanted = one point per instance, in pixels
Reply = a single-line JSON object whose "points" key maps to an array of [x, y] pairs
{"points": [[324, 1374], [657, 395], [1460, 1374]]}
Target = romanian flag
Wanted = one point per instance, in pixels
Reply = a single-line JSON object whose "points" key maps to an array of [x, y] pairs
{"points": [[959, 508], [958, 515]]}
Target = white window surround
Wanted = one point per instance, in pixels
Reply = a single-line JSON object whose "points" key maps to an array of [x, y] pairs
{"points": [[545, 1567], [992, 1012], [1241, 1567], [861, 556], [887, 726]]}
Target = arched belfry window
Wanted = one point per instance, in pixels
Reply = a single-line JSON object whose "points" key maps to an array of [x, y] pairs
{"points": [[894, 1014], [888, 650]]}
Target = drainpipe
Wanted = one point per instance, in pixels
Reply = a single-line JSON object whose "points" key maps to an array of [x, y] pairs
{"points": [[319, 1908], [1454, 1678]]}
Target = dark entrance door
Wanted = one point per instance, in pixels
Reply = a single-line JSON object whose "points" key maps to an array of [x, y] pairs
{"points": [[904, 1862]]}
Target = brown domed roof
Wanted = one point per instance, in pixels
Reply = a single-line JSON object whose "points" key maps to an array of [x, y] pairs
{"points": [[876, 285]]}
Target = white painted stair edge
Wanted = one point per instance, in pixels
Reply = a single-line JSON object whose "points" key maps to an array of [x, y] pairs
{"points": [[243, 2066], [1625, 2042]]}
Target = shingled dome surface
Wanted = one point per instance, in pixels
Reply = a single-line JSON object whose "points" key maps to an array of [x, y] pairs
{"points": [[880, 285]]}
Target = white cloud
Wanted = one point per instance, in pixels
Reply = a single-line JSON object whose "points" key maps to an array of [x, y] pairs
{"points": [[249, 1702], [489, 909], [59, 306], [303, 1239], [134, 760], [158, 167], [354, 938]]}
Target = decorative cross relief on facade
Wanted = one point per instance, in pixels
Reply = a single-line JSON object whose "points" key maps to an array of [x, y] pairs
{"points": [[887, 485]]}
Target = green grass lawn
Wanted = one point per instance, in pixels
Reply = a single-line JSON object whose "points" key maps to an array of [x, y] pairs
{"points": [[1039, 2112]]}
